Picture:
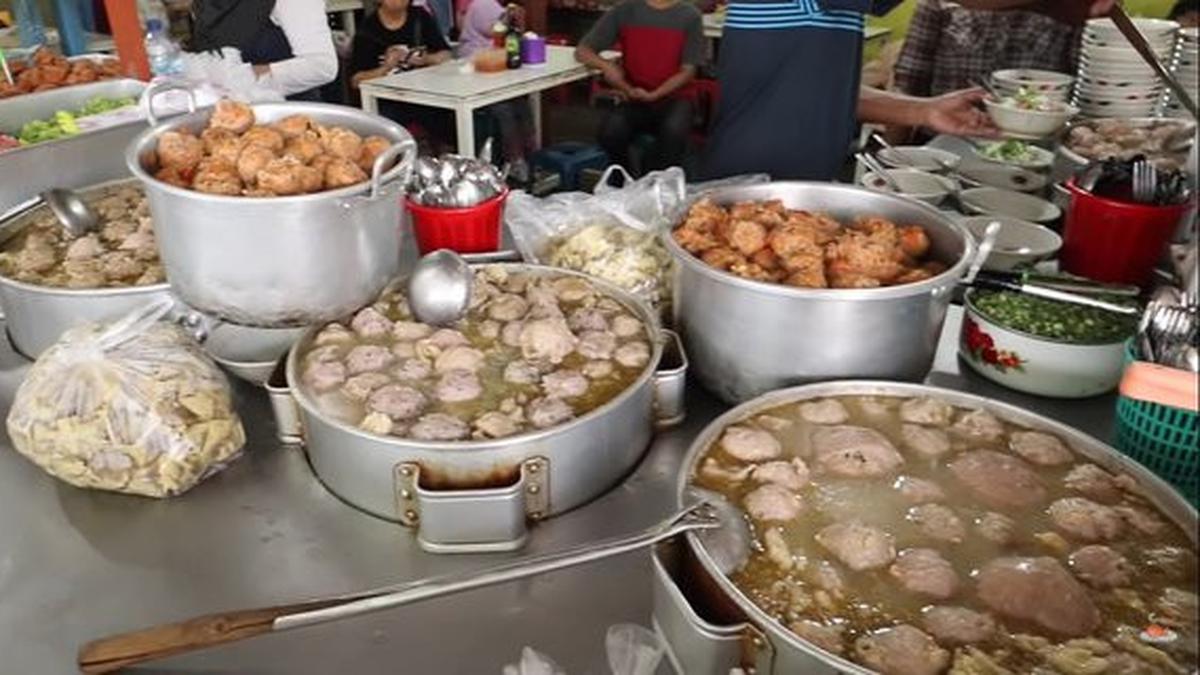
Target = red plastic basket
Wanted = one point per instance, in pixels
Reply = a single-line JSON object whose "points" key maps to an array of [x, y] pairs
{"points": [[1115, 241], [473, 229]]}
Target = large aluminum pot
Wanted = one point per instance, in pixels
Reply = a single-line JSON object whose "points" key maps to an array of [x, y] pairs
{"points": [[711, 626], [36, 316], [747, 337], [279, 261], [471, 496]]}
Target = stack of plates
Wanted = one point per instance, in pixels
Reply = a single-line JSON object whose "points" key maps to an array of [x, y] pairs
{"points": [[1113, 79], [1186, 58]]}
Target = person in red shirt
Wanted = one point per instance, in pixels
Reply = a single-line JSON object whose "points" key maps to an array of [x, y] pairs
{"points": [[662, 44]]}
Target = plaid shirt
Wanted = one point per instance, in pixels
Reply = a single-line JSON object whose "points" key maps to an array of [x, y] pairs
{"points": [[948, 46]]}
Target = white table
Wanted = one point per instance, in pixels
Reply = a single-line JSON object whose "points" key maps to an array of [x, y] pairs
{"points": [[454, 85], [714, 26]]}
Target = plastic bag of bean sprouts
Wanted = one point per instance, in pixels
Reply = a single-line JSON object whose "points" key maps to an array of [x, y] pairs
{"points": [[131, 406]]}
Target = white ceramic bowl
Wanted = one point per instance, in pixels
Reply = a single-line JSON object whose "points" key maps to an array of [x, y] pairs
{"points": [[1038, 80], [1018, 242], [1147, 27], [1035, 365], [250, 353], [920, 185], [1060, 96], [917, 157], [1003, 176], [990, 201], [1041, 158], [1036, 123]]}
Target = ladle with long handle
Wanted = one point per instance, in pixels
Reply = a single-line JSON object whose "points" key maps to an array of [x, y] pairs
{"points": [[439, 290], [112, 653], [76, 216]]}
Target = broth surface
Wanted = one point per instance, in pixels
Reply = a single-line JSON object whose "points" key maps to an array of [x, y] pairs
{"points": [[1141, 582]]}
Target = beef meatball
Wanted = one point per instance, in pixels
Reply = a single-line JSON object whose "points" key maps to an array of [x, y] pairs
{"points": [[598, 370], [626, 326], [1086, 520], [1094, 482], [955, 626], [924, 571], [370, 323], [750, 445], [548, 340], [507, 307], [860, 547], [979, 425], [587, 319], [996, 527], [232, 116], [459, 358], [901, 650], [854, 452], [827, 411], [1101, 567], [929, 442], [457, 386], [918, 490], [360, 387], [397, 401], [598, 345], [633, 354], [773, 503], [792, 475], [547, 412], [521, 372], [440, 427], [410, 330], [1038, 590], [1038, 448], [412, 370], [926, 411], [998, 480], [564, 384], [367, 358], [322, 376]]}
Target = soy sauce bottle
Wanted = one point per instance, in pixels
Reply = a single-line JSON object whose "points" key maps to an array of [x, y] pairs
{"points": [[512, 49]]}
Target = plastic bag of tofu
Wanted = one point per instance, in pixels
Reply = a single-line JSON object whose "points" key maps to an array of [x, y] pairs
{"points": [[131, 406]]}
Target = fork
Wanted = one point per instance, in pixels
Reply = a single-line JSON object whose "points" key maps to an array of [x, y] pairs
{"points": [[1145, 181]]}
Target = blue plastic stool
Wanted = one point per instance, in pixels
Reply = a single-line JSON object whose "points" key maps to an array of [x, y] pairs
{"points": [[568, 160]]}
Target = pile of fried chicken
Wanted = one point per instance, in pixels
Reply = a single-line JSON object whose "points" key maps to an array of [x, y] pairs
{"points": [[766, 241], [236, 156], [45, 70]]}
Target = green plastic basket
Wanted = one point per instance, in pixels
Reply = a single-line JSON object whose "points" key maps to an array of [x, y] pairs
{"points": [[1163, 439]]}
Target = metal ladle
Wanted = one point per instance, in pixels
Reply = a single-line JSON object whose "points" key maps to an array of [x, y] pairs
{"points": [[727, 539], [76, 216], [439, 290]]}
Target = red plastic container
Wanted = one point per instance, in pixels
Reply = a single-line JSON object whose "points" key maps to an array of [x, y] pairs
{"points": [[1115, 241], [474, 229]]}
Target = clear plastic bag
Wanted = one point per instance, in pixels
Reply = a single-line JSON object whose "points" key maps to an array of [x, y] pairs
{"points": [[631, 650], [132, 406]]}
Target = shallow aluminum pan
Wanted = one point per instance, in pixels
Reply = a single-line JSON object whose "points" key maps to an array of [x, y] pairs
{"points": [[709, 623], [37, 315], [748, 337], [15, 112], [80, 160], [472, 496], [1067, 161]]}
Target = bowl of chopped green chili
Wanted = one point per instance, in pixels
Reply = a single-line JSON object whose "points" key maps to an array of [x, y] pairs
{"points": [[1044, 347]]}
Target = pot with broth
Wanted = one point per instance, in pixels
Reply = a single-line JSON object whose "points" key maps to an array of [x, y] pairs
{"points": [[913, 531]]}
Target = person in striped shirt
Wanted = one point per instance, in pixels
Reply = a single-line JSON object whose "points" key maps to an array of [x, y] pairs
{"points": [[790, 96]]}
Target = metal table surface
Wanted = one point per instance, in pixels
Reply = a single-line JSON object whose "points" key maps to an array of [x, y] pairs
{"points": [[78, 564]]}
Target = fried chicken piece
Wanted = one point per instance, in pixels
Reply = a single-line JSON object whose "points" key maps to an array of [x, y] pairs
{"points": [[265, 137], [769, 214], [913, 241], [694, 238], [766, 259], [912, 276], [281, 176], [722, 258], [252, 160], [293, 126], [222, 144], [794, 239], [806, 272], [340, 172], [748, 270], [372, 147], [311, 180], [179, 149], [232, 116], [218, 177], [172, 175], [342, 142], [304, 148], [858, 260], [706, 215], [747, 236], [822, 227]]}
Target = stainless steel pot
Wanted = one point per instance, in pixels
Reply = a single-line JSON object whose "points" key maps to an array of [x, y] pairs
{"points": [[37, 315], [747, 337], [1067, 162], [710, 625], [473, 496], [279, 261]]}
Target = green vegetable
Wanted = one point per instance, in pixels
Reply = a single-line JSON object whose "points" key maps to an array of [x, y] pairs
{"points": [[1008, 151], [64, 123], [1055, 320]]}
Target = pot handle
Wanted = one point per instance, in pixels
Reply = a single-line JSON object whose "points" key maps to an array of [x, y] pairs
{"points": [[695, 644], [670, 382], [484, 520], [152, 92], [288, 427], [385, 158]]}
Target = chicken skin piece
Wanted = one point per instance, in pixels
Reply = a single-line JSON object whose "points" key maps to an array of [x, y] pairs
{"points": [[232, 116], [341, 172], [179, 150], [372, 147], [342, 142]]}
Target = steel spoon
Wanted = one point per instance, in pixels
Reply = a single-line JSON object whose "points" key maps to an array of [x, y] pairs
{"points": [[439, 290], [879, 170], [76, 216]]}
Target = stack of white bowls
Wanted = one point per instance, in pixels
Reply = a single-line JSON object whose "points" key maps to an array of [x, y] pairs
{"points": [[1187, 55], [1113, 80], [1054, 86]]}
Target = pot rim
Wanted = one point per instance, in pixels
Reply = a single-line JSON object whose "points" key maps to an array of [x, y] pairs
{"points": [[949, 276], [1157, 491], [648, 317], [974, 311], [142, 144]]}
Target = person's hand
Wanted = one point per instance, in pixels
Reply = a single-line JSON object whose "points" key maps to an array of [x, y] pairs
{"points": [[641, 95], [416, 59], [393, 57], [615, 78], [956, 114]]}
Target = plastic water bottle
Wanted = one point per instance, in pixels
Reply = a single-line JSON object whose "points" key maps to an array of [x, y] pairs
{"points": [[163, 54]]}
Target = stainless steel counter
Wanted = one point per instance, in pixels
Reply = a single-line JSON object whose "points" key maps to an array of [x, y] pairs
{"points": [[76, 564]]}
